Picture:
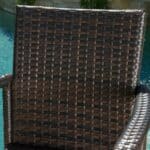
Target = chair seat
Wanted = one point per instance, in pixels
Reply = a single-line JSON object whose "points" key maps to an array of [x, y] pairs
{"points": [[16, 146]]}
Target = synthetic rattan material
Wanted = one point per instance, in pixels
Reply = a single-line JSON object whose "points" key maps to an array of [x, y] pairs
{"points": [[138, 124], [74, 76]]}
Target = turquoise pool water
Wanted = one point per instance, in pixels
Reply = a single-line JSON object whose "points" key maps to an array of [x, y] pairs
{"points": [[145, 72], [7, 22]]}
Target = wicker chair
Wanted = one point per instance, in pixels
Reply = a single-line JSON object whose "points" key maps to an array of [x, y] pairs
{"points": [[75, 81]]}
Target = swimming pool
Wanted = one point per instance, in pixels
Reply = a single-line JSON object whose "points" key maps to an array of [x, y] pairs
{"points": [[7, 22], [7, 26], [145, 70]]}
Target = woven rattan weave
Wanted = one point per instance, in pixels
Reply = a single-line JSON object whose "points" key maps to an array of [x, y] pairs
{"points": [[75, 75]]}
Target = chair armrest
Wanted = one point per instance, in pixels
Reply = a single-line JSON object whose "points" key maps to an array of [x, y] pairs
{"points": [[5, 83], [5, 80], [138, 125]]}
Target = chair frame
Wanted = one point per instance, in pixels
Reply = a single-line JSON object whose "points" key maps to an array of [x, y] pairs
{"points": [[133, 136]]}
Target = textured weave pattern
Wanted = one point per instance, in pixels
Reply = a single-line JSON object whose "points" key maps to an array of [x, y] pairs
{"points": [[74, 75]]}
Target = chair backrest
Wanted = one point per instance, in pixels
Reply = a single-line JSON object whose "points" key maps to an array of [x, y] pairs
{"points": [[74, 75]]}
